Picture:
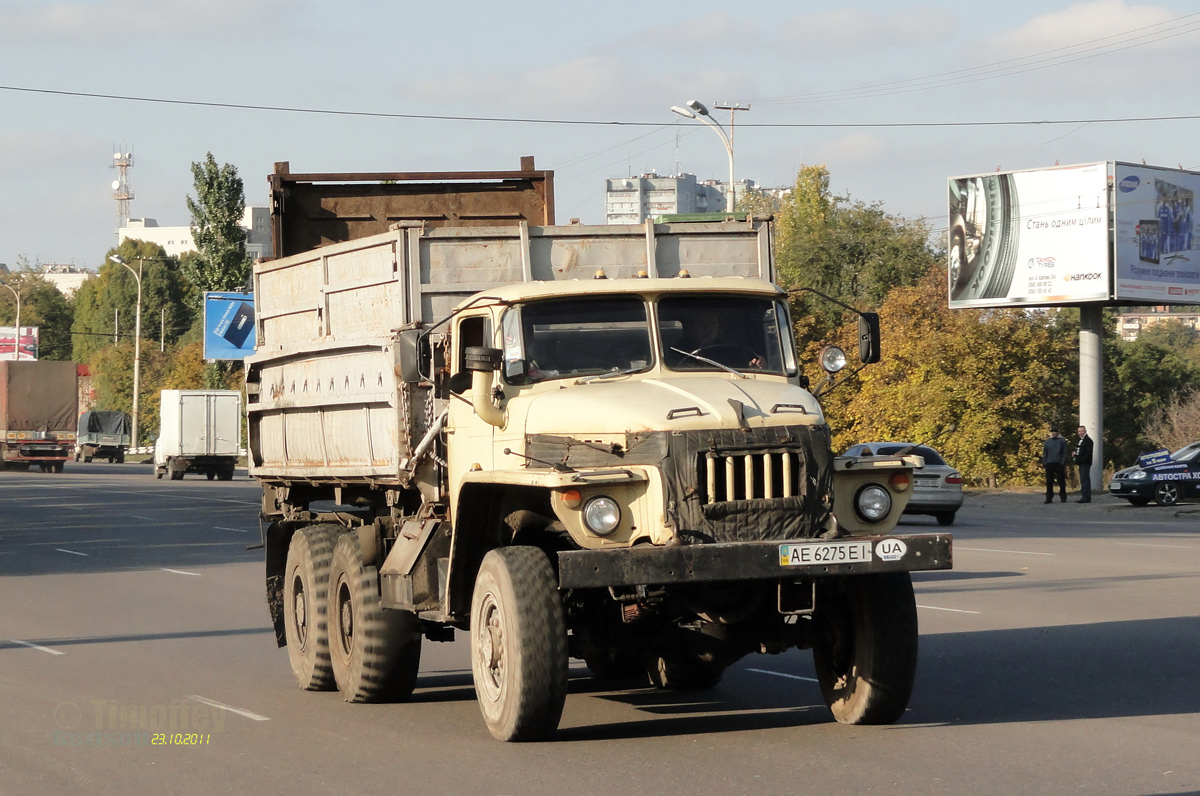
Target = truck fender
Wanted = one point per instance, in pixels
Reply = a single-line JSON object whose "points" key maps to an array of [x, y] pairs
{"points": [[490, 516]]}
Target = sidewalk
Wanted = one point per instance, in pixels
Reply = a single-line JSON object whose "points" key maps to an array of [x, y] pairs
{"points": [[1003, 498]]}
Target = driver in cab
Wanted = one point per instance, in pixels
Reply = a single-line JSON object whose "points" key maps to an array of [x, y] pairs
{"points": [[706, 335]]}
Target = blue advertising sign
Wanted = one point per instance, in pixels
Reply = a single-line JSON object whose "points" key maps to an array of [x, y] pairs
{"points": [[228, 325], [1157, 457]]}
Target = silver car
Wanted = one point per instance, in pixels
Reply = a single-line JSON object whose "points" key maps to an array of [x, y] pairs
{"points": [[937, 487]]}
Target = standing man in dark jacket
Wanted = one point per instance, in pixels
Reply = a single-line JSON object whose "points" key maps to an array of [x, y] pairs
{"points": [[1083, 460], [1054, 459]]}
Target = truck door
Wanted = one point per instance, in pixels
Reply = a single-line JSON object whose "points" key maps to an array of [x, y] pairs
{"points": [[469, 438], [225, 419]]}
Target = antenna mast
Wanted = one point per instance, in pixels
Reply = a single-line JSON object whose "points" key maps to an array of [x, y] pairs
{"points": [[122, 162]]}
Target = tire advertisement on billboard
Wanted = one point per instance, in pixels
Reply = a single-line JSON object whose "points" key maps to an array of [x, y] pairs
{"points": [[1030, 238], [1155, 252]]}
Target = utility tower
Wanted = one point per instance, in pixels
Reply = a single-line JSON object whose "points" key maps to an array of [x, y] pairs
{"points": [[122, 162]]}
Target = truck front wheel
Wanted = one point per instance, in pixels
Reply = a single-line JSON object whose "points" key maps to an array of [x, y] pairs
{"points": [[518, 644], [375, 652], [865, 646], [306, 600]]}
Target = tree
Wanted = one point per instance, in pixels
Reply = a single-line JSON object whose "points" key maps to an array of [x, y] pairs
{"points": [[217, 213], [43, 306], [165, 300], [998, 376], [850, 250]]}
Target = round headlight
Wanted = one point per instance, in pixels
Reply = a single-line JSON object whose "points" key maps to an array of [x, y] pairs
{"points": [[873, 503], [602, 515], [833, 359]]}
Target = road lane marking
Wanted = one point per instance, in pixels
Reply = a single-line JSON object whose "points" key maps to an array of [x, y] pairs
{"points": [[230, 708], [955, 610], [38, 647], [788, 676], [140, 517], [72, 552], [990, 550], [1144, 544], [235, 530], [181, 572]]}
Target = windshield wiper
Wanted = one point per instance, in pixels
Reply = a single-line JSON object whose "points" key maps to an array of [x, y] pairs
{"points": [[611, 374], [712, 362]]}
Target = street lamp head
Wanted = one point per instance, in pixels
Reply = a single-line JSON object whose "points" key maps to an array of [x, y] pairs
{"points": [[683, 112], [116, 259], [698, 107]]}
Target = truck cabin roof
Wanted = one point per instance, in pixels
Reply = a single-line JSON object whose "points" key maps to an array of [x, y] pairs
{"points": [[532, 291]]}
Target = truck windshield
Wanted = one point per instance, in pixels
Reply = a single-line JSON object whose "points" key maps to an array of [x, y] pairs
{"points": [[739, 332], [566, 338]]}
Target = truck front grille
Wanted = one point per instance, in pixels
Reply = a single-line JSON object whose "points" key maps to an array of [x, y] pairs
{"points": [[728, 476]]}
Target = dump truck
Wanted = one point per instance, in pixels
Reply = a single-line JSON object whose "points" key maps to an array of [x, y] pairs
{"points": [[38, 407], [200, 432], [103, 434], [565, 441]]}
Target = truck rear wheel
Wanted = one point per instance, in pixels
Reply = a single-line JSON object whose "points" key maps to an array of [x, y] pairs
{"points": [[306, 600], [375, 653], [518, 644], [865, 646]]}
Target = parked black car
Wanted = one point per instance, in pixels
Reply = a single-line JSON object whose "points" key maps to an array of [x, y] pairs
{"points": [[1165, 483]]}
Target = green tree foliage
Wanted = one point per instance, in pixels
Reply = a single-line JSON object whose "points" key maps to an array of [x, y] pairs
{"points": [[998, 376], [849, 250], [217, 213], [43, 306], [165, 301], [1143, 378]]}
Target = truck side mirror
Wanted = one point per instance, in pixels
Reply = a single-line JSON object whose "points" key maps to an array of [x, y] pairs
{"points": [[868, 337], [412, 352]]}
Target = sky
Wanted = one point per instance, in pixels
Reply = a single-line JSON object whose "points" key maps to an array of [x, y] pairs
{"points": [[893, 98]]}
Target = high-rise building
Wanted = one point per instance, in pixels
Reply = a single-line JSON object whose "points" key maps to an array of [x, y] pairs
{"points": [[177, 240], [631, 200]]}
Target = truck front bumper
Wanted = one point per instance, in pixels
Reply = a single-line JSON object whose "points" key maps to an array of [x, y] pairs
{"points": [[734, 561]]}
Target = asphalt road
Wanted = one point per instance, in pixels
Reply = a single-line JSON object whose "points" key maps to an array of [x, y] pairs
{"points": [[1061, 655]]}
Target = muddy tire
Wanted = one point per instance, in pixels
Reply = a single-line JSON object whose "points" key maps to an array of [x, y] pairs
{"points": [[375, 653], [518, 644], [865, 646], [305, 606]]}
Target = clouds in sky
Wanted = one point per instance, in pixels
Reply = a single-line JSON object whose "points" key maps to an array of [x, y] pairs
{"points": [[621, 60]]}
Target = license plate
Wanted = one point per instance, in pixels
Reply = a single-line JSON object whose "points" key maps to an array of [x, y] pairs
{"points": [[1115, 486], [799, 555]]}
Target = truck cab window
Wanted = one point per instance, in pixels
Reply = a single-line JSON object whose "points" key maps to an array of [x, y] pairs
{"points": [[568, 338], [740, 332], [472, 331]]}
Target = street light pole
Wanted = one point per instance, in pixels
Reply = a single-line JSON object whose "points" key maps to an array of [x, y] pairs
{"points": [[700, 113], [17, 339], [137, 340]]}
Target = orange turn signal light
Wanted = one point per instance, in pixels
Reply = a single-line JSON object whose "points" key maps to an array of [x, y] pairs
{"points": [[571, 498], [900, 481]]}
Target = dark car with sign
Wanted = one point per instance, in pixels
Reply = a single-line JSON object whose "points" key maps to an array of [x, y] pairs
{"points": [[1166, 482], [937, 487]]}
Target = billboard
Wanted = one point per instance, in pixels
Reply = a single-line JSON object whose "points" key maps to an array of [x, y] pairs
{"points": [[29, 342], [1030, 238], [228, 325], [1154, 252]]}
